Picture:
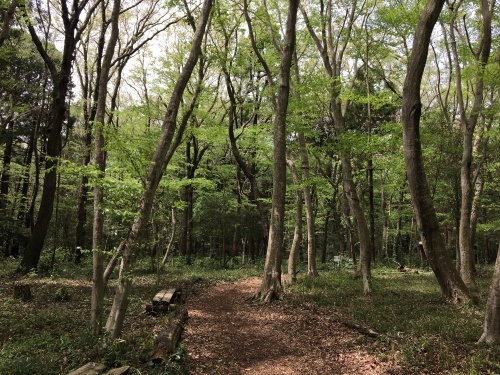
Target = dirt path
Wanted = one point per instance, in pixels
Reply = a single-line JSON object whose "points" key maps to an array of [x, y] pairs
{"points": [[226, 334]]}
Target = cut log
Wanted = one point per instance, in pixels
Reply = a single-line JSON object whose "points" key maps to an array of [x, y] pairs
{"points": [[166, 342], [124, 370], [89, 369], [22, 292]]}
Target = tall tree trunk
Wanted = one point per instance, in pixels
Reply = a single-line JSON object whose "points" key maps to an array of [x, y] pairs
{"points": [[369, 170], [364, 265], [271, 287], [491, 330], [449, 280], [158, 164], [297, 232], [98, 284], [4, 180], [468, 128], [325, 237], [312, 269]]}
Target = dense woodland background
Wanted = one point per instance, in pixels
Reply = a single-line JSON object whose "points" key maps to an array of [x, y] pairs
{"points": [[85, 89]]}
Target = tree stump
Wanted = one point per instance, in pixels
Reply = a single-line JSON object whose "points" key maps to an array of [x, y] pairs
{"points": [[166, 342], [22, 292]]}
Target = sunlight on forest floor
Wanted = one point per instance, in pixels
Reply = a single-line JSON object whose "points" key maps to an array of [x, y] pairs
{"points": [[47, 335]]}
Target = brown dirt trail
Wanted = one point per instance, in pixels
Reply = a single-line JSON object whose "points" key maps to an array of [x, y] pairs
{"points": [[227, 334]]}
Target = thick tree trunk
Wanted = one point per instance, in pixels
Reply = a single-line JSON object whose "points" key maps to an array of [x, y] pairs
{"points": [[7, 15], [271, 287], [491, 330], [58, 113], [157, 166], [34, 249], [449, 280]]}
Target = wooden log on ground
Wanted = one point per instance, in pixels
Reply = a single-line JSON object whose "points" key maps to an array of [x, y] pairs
{"points": [[89, 369], [166, 342], [124, 370], [364, 330]]}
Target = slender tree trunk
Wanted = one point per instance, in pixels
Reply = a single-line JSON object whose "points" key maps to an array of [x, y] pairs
{"points": [[4, 180], [363, 232], [465, 244], [491, 330], [297, 232], [172, 236], [312, 269], [158, 163], [325, 237], [271, 287], [98, 285], [369, 168], [449, 280]]}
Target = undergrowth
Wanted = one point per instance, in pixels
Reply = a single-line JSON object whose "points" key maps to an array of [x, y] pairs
{"points": [[51, 335]]}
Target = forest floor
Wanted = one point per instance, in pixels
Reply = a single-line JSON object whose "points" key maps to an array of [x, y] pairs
{"points": [[228, 334], [317, 328]]}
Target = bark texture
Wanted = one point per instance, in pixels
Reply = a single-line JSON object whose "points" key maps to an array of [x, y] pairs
{"points": [[468, 123], [451, 284], [271, 287]]}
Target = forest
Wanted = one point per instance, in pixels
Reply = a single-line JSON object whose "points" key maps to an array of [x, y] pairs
{"points": [[307, 144]]}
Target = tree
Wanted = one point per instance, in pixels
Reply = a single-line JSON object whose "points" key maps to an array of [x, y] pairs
{"points": [[297, 232], [158, 163], [332, 48], [491, 331], [73, 29], [468, 124], [452, 286], [7, 15], [270, 287], [100, 162]]}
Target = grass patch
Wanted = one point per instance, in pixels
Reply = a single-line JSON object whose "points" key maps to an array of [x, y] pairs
{"points": [[420, 329]]}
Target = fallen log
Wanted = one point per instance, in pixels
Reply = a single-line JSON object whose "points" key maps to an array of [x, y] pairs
{"points": [[166, 342], [364, 330], [89, 369], [124, 370], [92, 368]]}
